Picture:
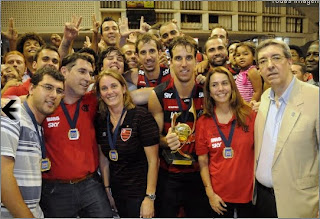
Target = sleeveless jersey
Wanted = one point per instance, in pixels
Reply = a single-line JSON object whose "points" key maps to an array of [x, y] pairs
{"points": [[143, 81], [167, 97]]}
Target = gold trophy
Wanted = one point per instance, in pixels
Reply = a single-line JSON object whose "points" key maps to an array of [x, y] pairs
{"points": [[185, 135]]}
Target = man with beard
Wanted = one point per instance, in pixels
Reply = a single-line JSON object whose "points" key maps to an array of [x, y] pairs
{"points": [[221, 33], [312, 62], [216, 52], [28, 44], [23, 154]]}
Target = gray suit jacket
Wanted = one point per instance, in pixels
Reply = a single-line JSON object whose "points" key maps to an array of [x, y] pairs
{"points": [[295, 168]]}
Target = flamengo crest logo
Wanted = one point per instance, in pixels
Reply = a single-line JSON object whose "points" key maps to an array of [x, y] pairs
{"points": [[125, 134]]}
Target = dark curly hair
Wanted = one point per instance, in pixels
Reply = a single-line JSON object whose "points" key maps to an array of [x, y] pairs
{"points": [[28, 36]]}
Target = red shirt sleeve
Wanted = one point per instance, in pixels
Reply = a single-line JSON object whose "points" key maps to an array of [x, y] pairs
{"points": [[18, 90], [201, 138]]}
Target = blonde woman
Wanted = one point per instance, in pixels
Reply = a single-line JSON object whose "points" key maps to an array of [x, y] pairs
{"points": [[128, 139]]}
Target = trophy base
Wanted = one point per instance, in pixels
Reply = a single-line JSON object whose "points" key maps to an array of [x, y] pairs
{"points": [[176, 158]]}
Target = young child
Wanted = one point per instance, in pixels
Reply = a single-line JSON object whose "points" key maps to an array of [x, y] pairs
{"points": [[248, 81]]}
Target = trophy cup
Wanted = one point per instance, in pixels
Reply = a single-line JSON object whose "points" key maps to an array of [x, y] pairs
{"points": [[185, 135]]}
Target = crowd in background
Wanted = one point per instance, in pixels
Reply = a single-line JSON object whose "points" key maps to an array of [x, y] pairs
{"points": [[140, 123]]}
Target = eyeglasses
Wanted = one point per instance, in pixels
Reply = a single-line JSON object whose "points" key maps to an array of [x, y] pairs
{"points": [[275, 59], [49, 88]]}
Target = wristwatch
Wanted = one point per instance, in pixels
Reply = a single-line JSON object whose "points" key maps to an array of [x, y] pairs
{"points": [[151, 196]]}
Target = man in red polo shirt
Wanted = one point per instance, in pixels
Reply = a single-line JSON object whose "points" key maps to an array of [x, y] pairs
{"points": [[72, 186]]}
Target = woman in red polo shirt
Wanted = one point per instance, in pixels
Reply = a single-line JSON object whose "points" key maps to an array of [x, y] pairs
{"points": [[225, 146]]}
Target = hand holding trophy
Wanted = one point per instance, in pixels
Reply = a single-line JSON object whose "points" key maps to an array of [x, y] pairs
{"points": [[184, 133]]}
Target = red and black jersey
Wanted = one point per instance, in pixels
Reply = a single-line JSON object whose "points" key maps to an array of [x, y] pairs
{"points": [[143, 81], [167, 97]]}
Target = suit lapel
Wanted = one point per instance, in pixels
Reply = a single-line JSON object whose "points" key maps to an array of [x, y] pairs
{"points": [[290, 116], [262, 117]]}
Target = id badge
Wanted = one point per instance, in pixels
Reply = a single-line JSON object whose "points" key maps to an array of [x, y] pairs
{"points": [[227, 153], [113, 155], [45, 164], [73, 134]]}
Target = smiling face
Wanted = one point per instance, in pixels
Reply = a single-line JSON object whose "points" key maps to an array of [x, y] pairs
{"points": [[148, 55], [312, 58], [47, 57], [30, 48], [129, 51], [111, 91], [77, 77], [44, 102], [113, 61], [183, 63], [277, 68], [110, 33], [220, 88], [216, 52]]}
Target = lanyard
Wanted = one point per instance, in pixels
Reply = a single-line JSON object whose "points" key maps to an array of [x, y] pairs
{"points": [[186, 112], [147, 81], [34, 121], [226, 142], [72, 123], [112, 141]]}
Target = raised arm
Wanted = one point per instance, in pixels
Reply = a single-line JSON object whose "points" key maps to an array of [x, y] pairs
{"points": [[11, 34], [124, 31], [95, 32], [71, 31]]}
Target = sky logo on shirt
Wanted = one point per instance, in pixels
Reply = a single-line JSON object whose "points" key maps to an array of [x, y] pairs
{"points": [[216, 142], [167, 95], [53, 121]]}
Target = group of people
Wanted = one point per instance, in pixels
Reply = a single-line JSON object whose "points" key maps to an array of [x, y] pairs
{"points": [[132, 125]]}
